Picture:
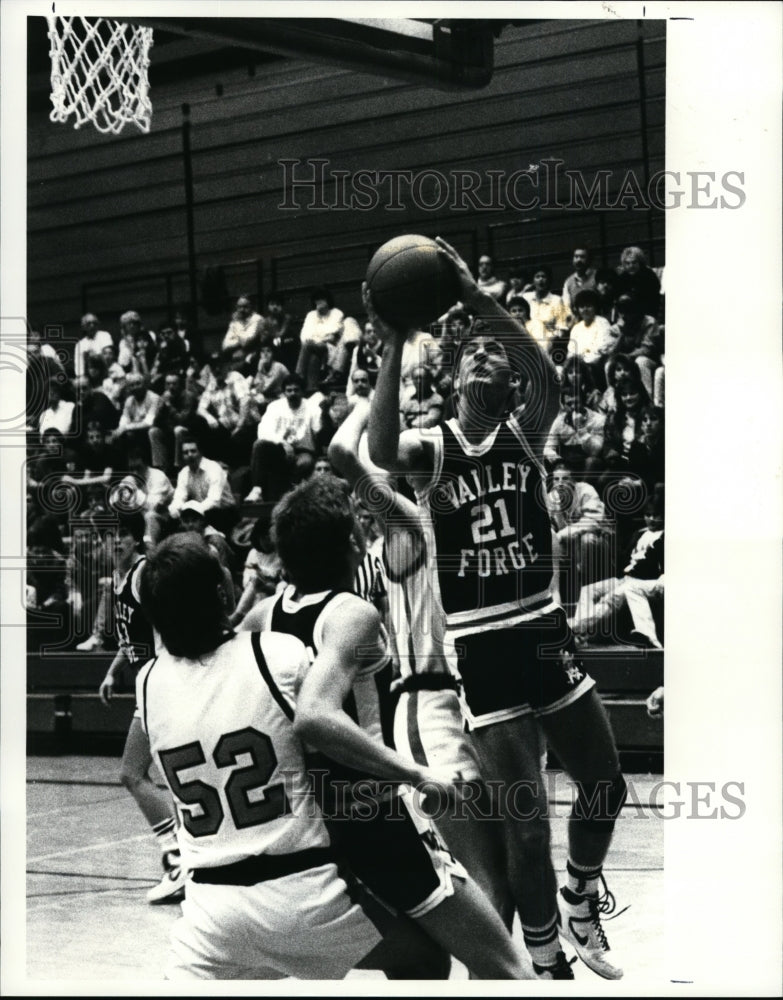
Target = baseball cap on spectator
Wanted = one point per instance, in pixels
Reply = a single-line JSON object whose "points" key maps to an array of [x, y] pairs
{"points": [[192, 505]]}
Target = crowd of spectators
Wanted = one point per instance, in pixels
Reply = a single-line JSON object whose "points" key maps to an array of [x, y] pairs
{"points": [[142, 419]]}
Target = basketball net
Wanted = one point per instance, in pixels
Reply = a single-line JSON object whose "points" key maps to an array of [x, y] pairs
{"points": [[99, 73]]}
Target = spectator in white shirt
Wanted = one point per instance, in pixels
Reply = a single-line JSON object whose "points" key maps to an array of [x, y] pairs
{"points": [[322, 328], [245, 327], [548, 315], [593, 338], [138, 413], [149, 490], [284, 453], [93, 342], [582, 533], [59, 413], [205, 482]]}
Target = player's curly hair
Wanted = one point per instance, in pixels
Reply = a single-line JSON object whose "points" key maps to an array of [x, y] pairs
{"points": [[180, 591], [312, 528]]}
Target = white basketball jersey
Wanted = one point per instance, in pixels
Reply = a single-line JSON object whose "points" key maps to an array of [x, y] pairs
{"points": [[416, 620], [221, 730]]}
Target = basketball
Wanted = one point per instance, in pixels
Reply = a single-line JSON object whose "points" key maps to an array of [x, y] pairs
{"points": [[411, 282]]}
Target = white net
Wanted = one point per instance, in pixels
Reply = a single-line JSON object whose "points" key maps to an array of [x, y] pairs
{"points": [[99, 73]]}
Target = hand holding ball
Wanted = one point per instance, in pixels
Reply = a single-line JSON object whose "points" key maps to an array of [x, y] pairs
{"points": [[412, 282]]}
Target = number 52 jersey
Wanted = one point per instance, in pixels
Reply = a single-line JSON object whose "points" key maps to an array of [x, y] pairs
{"points": [[221, 729]]}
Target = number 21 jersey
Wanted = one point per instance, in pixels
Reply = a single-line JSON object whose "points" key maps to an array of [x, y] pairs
{"points": [[493, 538]]}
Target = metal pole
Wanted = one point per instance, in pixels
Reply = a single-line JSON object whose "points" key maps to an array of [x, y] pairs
{"points": [[191, 236]]}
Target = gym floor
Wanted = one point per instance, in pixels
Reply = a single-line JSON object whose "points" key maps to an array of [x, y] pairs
{"points": [[91, 858]]}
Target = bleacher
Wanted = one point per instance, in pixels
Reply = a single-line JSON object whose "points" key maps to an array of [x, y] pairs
{"points": [[65, 714]]}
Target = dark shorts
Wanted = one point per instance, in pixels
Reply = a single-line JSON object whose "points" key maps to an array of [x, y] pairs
{"points": [[528, 667], [397, 855]]}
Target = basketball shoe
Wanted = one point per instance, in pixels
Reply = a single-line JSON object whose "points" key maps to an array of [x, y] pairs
{"points": [[171, 888], [560, 970], [580, 925]]}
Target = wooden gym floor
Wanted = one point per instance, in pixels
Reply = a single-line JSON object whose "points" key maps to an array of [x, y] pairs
{"points": [[91, 858]]}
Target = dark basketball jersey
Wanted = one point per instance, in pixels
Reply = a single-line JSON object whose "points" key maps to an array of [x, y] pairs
{"points": [[135, 635], [487, 504], [369, 703]]}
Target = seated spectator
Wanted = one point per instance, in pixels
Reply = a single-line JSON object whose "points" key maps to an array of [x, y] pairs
{"points": [[360, 386], [618, 366], [576, 436], [262, 573], [606, 286], [171, 359], [519, 308], [322, 328], [59, 413], [639, 337], [516, 286], [422, 405], [43, 529], [646, 457], [582, 277], [93, 341], [640, 589], [332, 410], [637, 280], [279, 329], [205, 482], [659, 384], [548, 316], [223, 405], [420, 348], [47, 466], [323, 467], [93, 406], [134, 341], [267, 383], [148, 490], [488, 281], [285, 450], [623, 423], [175, 418], [97, 461], [366, 355], [192, 519], [593, 338], [138, 414], [582, 533], [245, 328], [115, 382], [43, 366]]}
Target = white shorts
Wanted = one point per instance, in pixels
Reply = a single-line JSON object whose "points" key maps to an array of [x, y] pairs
{"points": [[429, 729], [302, 925]]}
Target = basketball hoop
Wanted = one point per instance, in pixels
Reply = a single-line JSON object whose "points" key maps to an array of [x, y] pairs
{"points": [[99, 73]]}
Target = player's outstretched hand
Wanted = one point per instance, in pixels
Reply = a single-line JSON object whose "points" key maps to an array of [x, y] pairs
{"points": [[384, 330], [106, 690], [655, 704], [467, 283], [438, 788]]}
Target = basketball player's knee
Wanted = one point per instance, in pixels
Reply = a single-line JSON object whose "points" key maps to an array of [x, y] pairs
{"points": [[598, 803]]}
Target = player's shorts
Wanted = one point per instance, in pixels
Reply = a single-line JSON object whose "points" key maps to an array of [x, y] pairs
{"points": [[528, 667], [398, 855], [305, 925], [429, 730]]}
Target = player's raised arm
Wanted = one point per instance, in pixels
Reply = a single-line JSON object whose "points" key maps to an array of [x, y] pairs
{"points": [[388, 448]]}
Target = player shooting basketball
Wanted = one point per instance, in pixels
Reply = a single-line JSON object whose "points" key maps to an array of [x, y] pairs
{"points": [[480, 479]]}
